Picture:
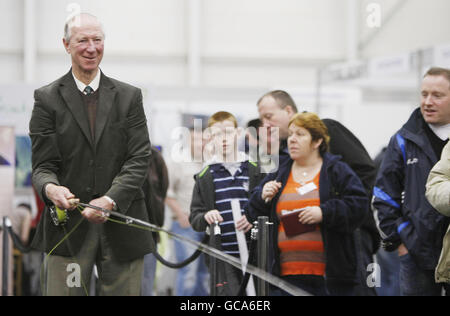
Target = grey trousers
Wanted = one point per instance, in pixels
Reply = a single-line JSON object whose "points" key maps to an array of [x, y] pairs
{"points": [[70, 276]]}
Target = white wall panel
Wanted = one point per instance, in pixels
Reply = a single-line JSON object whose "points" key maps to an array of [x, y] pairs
{"points": [[11, 68], [257, 75], [11, 24], [375, 123], [417, 24], [146, 26], [280, 28]]}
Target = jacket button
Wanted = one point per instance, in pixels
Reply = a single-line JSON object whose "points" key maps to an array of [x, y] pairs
{"points": [[88, 189]]}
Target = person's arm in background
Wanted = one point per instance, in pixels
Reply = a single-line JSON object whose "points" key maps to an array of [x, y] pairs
{"points": [[438, 184], [155, 188], [26, 227], [180, 215], [387, 198], [171, 201]]}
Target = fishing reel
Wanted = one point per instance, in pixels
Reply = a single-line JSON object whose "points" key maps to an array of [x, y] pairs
{"points": [[59, 217], [254, 231], [216, 229]]}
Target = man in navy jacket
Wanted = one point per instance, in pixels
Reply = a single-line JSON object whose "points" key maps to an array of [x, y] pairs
{"points": [[407, 222]]}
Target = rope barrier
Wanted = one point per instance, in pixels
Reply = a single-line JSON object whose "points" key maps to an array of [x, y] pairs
{"points": [[18, 244], [183, 263]]}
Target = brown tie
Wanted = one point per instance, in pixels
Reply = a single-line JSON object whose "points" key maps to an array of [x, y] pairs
{"points": [[91, 103]]}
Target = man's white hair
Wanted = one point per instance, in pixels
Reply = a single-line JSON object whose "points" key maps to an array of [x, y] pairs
{"points": [[75, 20]]}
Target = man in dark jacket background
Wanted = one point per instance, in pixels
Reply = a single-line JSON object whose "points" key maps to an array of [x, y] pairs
{"points": [[408, 223]]}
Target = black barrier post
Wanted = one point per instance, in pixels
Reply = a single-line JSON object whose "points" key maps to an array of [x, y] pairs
{"points": [[214, 231], [5, 257], [263, 253]]}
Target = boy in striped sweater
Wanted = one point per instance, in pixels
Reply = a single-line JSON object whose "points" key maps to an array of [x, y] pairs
{"points": [[228, 176]]}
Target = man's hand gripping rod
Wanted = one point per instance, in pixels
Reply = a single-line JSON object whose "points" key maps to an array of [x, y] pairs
{"points": [[128, 219]]}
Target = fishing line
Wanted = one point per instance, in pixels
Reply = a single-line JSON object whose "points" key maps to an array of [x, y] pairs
{"points": [[66, 236]]}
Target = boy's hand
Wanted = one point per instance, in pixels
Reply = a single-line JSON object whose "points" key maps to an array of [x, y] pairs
{"points": [[213, 216], [243, 224]]}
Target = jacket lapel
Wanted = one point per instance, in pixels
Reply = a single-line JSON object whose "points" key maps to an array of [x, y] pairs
{"points": [[107, 94], [74, 102]]}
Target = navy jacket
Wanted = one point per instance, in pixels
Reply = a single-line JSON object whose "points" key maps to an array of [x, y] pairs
{"points": [[405, 216], [344, 205]]}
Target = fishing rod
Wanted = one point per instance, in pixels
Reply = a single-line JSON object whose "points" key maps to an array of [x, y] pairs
{"points": [[137, 223]]}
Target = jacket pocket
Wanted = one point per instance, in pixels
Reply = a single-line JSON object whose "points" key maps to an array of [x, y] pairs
{"points": [[340, 254], [408, 235], [420, 248], [139, 195]]}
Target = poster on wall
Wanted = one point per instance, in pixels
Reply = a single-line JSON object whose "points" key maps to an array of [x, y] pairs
{"points": [[23, 162]]}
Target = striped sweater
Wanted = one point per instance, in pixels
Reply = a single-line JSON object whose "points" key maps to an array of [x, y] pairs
{"points": [[227, 188], [304, 253]]}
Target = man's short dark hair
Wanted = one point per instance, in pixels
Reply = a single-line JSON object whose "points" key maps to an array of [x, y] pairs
{"points": [[282, 97], [437, 71]]}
